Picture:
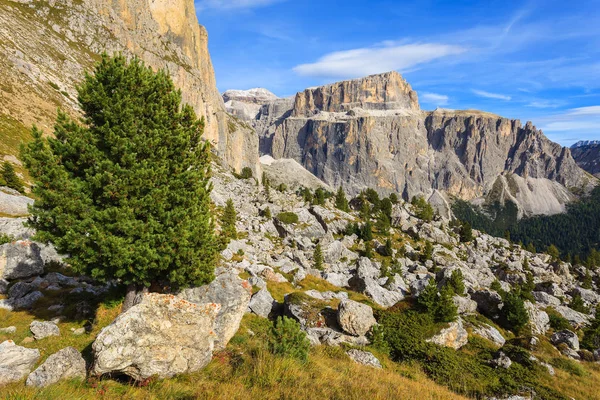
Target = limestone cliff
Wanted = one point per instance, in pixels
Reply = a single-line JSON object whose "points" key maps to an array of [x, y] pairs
{"points": [[371, 132], [587, 155], [46, 45]]}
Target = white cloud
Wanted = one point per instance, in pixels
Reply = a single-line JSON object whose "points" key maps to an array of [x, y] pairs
{"points": [[575, 124], [434, 98], [591, 110], [385, 57], [233, 4], [545, 104], [489, 95]]}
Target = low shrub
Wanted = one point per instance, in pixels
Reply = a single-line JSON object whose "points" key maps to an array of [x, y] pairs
{"points": [[288, 217], [287, 339]]}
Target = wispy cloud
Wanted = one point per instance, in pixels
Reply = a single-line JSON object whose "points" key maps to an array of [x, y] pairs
{"points": [[573, 124], [384, 57], [545, 104], [434, 98], [233, 4], [490, 95]]}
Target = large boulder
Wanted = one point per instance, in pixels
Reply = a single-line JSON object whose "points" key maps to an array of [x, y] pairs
{"points": [[488, 302], [355, 318], [454, 336], [16, 361], [15, 228], [43, 329], [12, 203], [233, 294], [162, 336], [23, 303], [65, 364], [575, 318], [21, 259]]}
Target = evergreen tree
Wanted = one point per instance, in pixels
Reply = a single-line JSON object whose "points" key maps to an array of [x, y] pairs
{"points": [[267, 213], [427, 253], [228, 220], [394, 198], [591, 334], [126, 193], [466, 232], [308, 196], [341, 202], [318, 257], [513, 313], [457, 282], [383, 224], [388, 251], [386, 206], [367, 231], [445, 309], [319, 198], [369, 249], [553, 252], [428, 298], [531, 248], [10, 178]]}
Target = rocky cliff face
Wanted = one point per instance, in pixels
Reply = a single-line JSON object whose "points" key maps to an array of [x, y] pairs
{"points": [[371, 132], [587, 155], [39, 76]]}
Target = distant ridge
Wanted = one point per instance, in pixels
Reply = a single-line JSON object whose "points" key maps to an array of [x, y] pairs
{"points": [[585, 143]]}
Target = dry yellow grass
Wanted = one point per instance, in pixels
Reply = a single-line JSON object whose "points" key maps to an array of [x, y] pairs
{"points": [[248, 370]]}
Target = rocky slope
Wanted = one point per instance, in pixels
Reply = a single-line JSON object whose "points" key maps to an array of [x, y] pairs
{"points": [[277, 259], [371, 132], [587, 155], [39, 75]]}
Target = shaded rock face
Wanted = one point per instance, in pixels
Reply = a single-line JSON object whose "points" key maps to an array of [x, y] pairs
{"points": [[371, 132], [20, 259], [587, 156], [162, 336], [164, 33]]}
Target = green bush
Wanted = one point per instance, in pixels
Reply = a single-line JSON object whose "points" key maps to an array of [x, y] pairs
{"points": [[5, 239], [513, 314], [591, 334], [577, 304], [246, 173], [10, 178], [557, 321], [422, 208], [287, 339], [288, 217], [457, 282], [318, 258], [437, 304]]}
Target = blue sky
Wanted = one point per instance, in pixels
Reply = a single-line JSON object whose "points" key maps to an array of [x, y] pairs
{"points": [[532, 60]]}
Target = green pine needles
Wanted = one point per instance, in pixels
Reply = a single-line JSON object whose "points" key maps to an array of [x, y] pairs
{"points": [[126, 192]]}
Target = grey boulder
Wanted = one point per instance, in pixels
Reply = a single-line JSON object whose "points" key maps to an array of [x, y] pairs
{"points": [[355, 318], [65, 364], [15, 361], [262, 303], [162, 336], [233, 294], [454, 336]]}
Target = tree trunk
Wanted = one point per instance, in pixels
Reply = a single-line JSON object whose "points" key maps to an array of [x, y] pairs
{"points": [[134, 296]]}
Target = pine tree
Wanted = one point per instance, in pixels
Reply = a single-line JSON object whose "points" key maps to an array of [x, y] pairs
{"points": [[553, 252], [126, 193], [394, 198], [388, 251], [228, 220], [341, 202], [319, 198], [427, 252], [267, 214], [445, 309], [10, 178], [318, 257], [369, 249], [428, 297], [466, 232], [367, 231], [457, 282]]}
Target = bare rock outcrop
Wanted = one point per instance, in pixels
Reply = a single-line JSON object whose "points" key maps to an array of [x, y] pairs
{"points": [[64, 364], [163, 33], [370, 132]]}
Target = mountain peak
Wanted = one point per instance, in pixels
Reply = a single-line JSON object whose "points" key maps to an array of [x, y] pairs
{"points": [[387, 91]]}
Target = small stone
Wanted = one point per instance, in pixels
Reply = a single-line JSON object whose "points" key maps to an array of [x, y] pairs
{"points": [[79, 332], [15, 361], [8, 330], [364, 358], [262, 303], [28, 340], [43, 329]]}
